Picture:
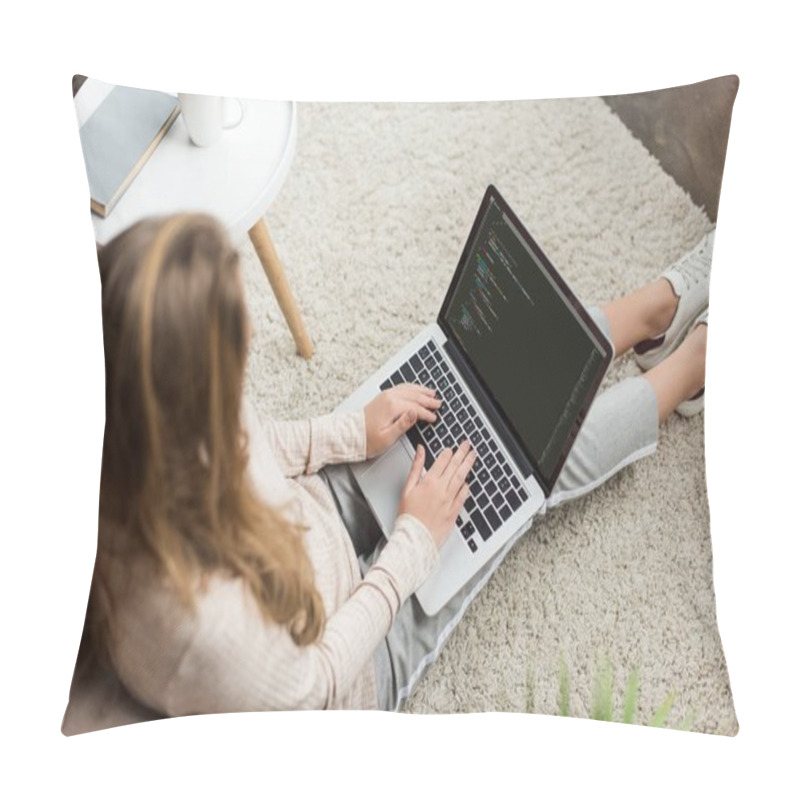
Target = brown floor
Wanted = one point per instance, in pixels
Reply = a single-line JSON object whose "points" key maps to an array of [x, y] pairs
{"points": [[686, 128], [77, 82]]}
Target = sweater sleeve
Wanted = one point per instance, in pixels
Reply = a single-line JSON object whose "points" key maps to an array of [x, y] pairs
{"points": [[304, 446], [238, 662]]}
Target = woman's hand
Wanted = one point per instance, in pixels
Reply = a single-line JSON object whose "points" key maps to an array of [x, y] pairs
{"points": [[394, 411], [436, 497]]}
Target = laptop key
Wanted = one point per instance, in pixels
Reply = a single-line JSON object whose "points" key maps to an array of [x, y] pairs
{"points": [[497, 472], [492, 518], [396, 378], [480, 523], [504, 484], [472, 544], [407, 373], [468, 530], [425, 350], [505, 512], [513, 499], [416, 363], [490, 488], [483, 475], [387, 384], [469, 503], [482, 500]]}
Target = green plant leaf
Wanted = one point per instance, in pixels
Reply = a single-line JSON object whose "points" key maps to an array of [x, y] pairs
{"points": [[603, 700], [563, 690], [603, 707], [662, 712], [631, 696]]}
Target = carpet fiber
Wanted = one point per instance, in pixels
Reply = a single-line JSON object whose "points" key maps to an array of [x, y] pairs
{"points": [[370, 225]]}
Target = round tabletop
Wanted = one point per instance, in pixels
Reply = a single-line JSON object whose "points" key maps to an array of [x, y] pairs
{"points": [[235, 179]]}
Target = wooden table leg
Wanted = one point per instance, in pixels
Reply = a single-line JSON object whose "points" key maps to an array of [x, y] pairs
{"points": [[265, 249]]}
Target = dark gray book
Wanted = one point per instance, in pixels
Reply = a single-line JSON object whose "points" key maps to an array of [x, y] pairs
{"points": [[118, 139]]}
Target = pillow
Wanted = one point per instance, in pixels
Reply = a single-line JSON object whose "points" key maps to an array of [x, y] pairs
{"points": [[605, 608]]}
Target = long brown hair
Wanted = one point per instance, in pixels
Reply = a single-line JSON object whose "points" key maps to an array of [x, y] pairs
{"points": [[174, 485]]}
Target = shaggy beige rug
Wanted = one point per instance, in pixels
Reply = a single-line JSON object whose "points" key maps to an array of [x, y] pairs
{"points": [[370, 224]]}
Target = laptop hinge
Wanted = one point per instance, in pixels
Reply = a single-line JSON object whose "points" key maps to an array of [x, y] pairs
{"points": [[487, 403]]}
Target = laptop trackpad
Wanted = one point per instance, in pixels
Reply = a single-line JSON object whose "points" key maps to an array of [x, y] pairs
{"points": [[383, 484]]}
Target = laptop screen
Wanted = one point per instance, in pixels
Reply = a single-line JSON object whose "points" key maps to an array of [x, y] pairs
{"points": [[529, 341]]}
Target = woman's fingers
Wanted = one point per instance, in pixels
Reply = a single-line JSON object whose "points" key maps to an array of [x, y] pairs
{"points": [[422, 398], [423, 405], [423, 413], [442, 460], [437, 498], [466, 467], [451, 468], [424, 393], [415, 473], [459, 466]]}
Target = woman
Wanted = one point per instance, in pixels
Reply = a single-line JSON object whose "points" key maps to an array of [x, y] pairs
{"points": [[238, 567]]}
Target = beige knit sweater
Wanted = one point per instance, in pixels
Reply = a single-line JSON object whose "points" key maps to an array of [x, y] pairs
{"points": [[224, 656]]}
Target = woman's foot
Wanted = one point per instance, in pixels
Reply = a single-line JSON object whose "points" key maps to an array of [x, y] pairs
{"points": [[679, 380], [689, 279], [695, 403]]}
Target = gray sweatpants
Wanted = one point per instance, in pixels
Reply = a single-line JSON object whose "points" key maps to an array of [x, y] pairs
{"points": [[620, 428]]}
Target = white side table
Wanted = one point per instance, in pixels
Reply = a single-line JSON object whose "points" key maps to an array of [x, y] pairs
{"points": [[235, 180]]}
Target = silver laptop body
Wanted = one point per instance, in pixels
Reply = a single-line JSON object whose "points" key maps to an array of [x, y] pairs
{"points": [[510, 338]]}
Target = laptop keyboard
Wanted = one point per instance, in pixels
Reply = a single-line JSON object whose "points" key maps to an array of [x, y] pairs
{"points": [[495, 490]]}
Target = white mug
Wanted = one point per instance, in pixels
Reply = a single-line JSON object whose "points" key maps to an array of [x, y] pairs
{"points": [[204, 116]]}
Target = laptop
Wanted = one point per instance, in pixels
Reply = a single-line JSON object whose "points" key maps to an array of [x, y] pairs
{"points": [[517, 361]]}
